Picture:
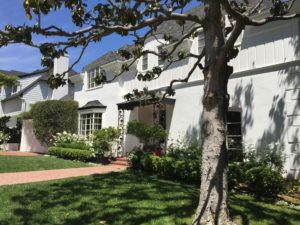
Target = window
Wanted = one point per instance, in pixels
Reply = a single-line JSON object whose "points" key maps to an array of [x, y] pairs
{"points": [[91, 77], [89, 122], [145, 62], [201, 42], [234, 136], [14, 89], [161, 61]]}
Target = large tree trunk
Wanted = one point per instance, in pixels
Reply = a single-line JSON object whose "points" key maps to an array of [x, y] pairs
{"points": [[212, 208]]}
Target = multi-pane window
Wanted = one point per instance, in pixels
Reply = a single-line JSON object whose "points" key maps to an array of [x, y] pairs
{"points": [[145, 61], [91, 77], [14, 89], [89, 122], [201, 42], [234, 136], [161, 60]]}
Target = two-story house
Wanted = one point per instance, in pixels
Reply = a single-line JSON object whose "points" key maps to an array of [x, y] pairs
{"points": [[264, 91], [31, 88]]}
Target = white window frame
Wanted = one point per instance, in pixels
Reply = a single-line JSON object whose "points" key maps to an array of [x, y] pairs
{"points": [[145, 60], [91, 75], [93, 120], [160, 61], [201, 42], [15, 89], [228, 136]]}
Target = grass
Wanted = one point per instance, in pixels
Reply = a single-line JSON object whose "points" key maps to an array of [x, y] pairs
{"points": [[123, 198], [32, 163]]}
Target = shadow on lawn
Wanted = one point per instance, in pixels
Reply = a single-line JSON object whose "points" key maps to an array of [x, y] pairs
{"points": [[246, 210], [118, 198], [124, 198]]}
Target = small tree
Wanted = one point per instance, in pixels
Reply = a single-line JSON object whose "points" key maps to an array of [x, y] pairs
{"points": [[103, 140], [145, 132], [54, 116]]}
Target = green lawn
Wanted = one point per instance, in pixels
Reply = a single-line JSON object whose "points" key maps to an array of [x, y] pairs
{"points": [[31, 163], [131, 198]]}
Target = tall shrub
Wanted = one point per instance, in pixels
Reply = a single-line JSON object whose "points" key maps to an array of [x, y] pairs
{"points": [[104, 139], [53, 116], [146, 132]]}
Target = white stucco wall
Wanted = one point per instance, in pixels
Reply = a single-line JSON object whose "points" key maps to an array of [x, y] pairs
{"points": [[265, 87], [29, 142]]}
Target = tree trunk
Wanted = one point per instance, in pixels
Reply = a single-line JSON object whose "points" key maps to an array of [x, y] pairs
{"points": [[212, 208]]}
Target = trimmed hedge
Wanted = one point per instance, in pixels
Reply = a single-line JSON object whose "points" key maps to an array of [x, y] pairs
{"points": [[53, 116], [80, 146], [69, 153], [167, 167]]}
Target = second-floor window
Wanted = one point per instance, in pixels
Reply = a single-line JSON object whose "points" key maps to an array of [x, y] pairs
{"points": [[91, 77], [145, 61], [14, 89], [201, 42], [161, 60]]}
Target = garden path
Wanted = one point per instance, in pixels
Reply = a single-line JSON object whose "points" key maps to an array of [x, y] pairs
{"points": [[18, 153], [45, 175]]}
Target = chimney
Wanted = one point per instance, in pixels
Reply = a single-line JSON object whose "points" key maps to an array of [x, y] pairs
{"points": [[61, 65]]}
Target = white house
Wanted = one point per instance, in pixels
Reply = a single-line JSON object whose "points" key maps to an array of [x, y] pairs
{"points": [[31, 88], [264, 89]]}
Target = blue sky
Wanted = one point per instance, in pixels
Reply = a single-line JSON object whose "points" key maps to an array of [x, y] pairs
{"points": [[24, 58]]}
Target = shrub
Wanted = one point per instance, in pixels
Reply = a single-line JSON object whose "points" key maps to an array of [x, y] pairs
{"points": [[69, 138], [53, 116], [81, 146], [104, 139], [73, 154], [235, 175], [145, 133], [4, 137], [13, 133], [135, 157], [166, 166], [263, 181]]}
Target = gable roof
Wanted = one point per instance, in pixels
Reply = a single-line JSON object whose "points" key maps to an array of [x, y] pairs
{"points": [[22, 91], [172, 28], [93, 105], [108, 57], [12, 73]]}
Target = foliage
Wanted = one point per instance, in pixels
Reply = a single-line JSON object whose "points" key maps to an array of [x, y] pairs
{"points": [[73, 154], [33, 163], [53, 116], [7, 80], [69, 138], [4, 137], [103, 140], [14, 133], [166, 166], [145, 132], [26, 115], [235, 175], [263, 181]]}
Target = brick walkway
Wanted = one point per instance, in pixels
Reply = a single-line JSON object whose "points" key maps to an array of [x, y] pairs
{"points": [[36, 176], [17, 153]]}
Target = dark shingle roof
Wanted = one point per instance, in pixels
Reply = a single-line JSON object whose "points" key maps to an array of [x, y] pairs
{"points": [[12, 73], [93, 105], [108, 57], [72, 73], [174, 29], [169, 27]]}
